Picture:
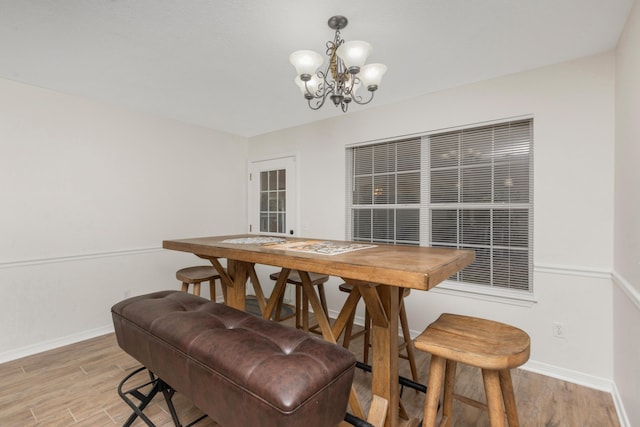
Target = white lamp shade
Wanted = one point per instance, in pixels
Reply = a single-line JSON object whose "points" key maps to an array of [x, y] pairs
{"points": [[311, 84], [371, 74], [354, 54], [305, 61]]}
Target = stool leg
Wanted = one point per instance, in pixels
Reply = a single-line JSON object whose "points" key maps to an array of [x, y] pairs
{"points": [[185, 287], [323, 299], [509, 398], [212, 289], [367, 336], [494, 397], [305, 311], [224, 292], [408, 342], [298, 307], [278, 308], [436, 372], [449, 385], [196, 289], [348, 331]]}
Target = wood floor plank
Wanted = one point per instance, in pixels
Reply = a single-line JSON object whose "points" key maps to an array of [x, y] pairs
{"points": [[76, 385]]}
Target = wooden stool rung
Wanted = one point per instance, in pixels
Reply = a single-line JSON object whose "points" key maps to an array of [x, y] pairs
{"points": [[469, 401]]}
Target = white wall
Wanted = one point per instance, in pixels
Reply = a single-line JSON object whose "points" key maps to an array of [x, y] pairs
{"points": [[573, 109], [88, 193], [627, 219]]}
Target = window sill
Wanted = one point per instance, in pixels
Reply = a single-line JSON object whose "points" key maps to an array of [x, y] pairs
{"points": [[486, 293]]}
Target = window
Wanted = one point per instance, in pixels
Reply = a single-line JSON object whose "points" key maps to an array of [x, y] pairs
{"points": [[468, 188], [386, 192]]}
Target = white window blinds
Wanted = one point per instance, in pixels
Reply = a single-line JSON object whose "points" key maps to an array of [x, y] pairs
{"points": [[469, 188], [385, 192]]}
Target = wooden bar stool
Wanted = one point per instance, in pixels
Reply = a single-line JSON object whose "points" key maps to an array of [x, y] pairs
{"points": [[302, 301], [407, 344], [494, 347], [197, 275]]}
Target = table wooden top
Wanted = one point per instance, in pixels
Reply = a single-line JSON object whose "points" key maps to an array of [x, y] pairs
{"points": [[404, 266]]}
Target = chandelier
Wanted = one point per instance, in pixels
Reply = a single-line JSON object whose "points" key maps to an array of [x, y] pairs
{"points": [[344, 75]]}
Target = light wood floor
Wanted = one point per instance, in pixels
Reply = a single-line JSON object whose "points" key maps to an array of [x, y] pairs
{"points": [[77, 386]]}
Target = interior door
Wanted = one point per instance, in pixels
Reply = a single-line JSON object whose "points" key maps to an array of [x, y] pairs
{"points": [[272, 195]]}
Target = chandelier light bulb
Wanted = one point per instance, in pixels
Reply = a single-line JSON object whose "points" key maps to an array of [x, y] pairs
{"points": [[371, 74], [306, 62], [311, 87], [354, 54]]}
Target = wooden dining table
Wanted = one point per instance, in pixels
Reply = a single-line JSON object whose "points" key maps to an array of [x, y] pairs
{"points": [[379, 273]]}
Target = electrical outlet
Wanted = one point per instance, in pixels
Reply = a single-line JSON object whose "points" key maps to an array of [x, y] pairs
{"points": [[559, 330]]}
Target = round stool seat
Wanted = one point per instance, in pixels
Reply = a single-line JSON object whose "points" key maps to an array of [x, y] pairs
{"points": [[197, 274], [477, 342], [494, 347]]}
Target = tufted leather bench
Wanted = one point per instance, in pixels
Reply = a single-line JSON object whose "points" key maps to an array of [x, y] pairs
{"points": [[240, 369]]}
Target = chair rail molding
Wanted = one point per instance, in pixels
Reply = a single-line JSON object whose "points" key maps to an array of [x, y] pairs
{"points": [[572, 270], [626, 287], [77, 257]]}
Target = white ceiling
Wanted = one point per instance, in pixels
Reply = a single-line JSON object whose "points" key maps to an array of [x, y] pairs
{"points": [[224, 63]]}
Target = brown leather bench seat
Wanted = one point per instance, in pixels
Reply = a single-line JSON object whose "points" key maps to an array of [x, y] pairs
{"points": [[239, 369]]}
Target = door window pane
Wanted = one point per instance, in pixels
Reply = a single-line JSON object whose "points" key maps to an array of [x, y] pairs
{"points": [[273, 194]]}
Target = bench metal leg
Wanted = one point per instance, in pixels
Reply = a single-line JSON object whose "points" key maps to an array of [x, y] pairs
{"points": [[135, 392], [355, 421], [403, 381], [157, 385]]}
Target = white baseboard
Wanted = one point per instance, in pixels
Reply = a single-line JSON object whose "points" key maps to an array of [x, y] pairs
{"points": [[54, 343], [569, 375], [617, 401]]}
